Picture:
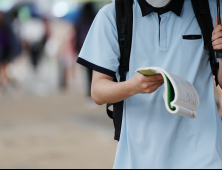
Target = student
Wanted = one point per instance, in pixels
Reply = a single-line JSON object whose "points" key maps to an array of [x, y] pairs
{"points": [[151, 137]]}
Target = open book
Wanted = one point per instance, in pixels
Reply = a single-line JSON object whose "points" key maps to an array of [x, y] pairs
{"points": [[180, 96]]}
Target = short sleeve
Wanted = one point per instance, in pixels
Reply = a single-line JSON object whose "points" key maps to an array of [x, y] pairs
{"points": [[100, 51]]}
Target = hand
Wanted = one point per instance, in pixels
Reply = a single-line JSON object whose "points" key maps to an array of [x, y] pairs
{"points": [[146, 84], [217, 36]]}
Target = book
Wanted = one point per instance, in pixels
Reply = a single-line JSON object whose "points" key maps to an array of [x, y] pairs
{"points": [[180, 96]]}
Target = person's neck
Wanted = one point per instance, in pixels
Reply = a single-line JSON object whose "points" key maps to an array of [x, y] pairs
{"points": [[167, 4]]}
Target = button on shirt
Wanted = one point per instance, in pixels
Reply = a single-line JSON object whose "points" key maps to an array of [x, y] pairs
{"points": [[151, 137]]}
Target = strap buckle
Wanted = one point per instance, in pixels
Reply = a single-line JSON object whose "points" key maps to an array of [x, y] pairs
{"points": [[123, 40], [123, 36]]}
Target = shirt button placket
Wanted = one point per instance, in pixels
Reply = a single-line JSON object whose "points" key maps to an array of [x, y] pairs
{"points": [[163, 33]]}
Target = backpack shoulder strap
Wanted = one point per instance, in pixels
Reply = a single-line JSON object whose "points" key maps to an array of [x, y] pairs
{"points": [[204, 18], [124, 21]]}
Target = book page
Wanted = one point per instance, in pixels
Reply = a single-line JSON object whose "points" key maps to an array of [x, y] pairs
{"points": [[186, 93], [186, 112], [180, 96]]}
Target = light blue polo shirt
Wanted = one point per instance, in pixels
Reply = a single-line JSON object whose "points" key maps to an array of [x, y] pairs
{"points": [[151, 137]]}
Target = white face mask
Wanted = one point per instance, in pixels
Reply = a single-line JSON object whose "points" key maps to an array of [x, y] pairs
{"points": [[158, 3]]}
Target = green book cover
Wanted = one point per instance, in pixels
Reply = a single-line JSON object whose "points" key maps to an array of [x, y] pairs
{"points": [[171, 94]]}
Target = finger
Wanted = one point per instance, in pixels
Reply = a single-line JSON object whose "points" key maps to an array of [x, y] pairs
{"points": [[217, 29], [154, 83], [154, 78], [217, 36], [218, 47], [216, 22], [153, 88], [217, 42]]}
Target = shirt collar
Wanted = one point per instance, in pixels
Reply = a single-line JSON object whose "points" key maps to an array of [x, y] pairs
{"points": [[175, 6]]}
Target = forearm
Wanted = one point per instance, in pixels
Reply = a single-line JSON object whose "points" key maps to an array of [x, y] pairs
{"points": [[106, 91], [220, 73]]}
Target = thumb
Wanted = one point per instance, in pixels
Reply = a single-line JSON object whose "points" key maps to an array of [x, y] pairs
{"points": [[216, 22]]}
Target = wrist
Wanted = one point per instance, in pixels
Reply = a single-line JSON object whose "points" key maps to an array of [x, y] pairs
{"points": [[130, 84]]}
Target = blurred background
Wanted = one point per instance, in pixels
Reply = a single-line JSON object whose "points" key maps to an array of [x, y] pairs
{"points": [[47, 117]]}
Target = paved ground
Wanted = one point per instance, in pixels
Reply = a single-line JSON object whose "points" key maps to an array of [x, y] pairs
{"points": [[43, 128], [58, 131]]}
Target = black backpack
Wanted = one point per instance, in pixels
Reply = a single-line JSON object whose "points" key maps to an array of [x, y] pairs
{"points": [[124, 20]]}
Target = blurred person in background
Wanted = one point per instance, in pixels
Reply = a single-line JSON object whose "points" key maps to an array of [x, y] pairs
{"points": [[83, 25], [68, 59], [35, 33], [36, 48], [34, 30], [10, 47]]}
